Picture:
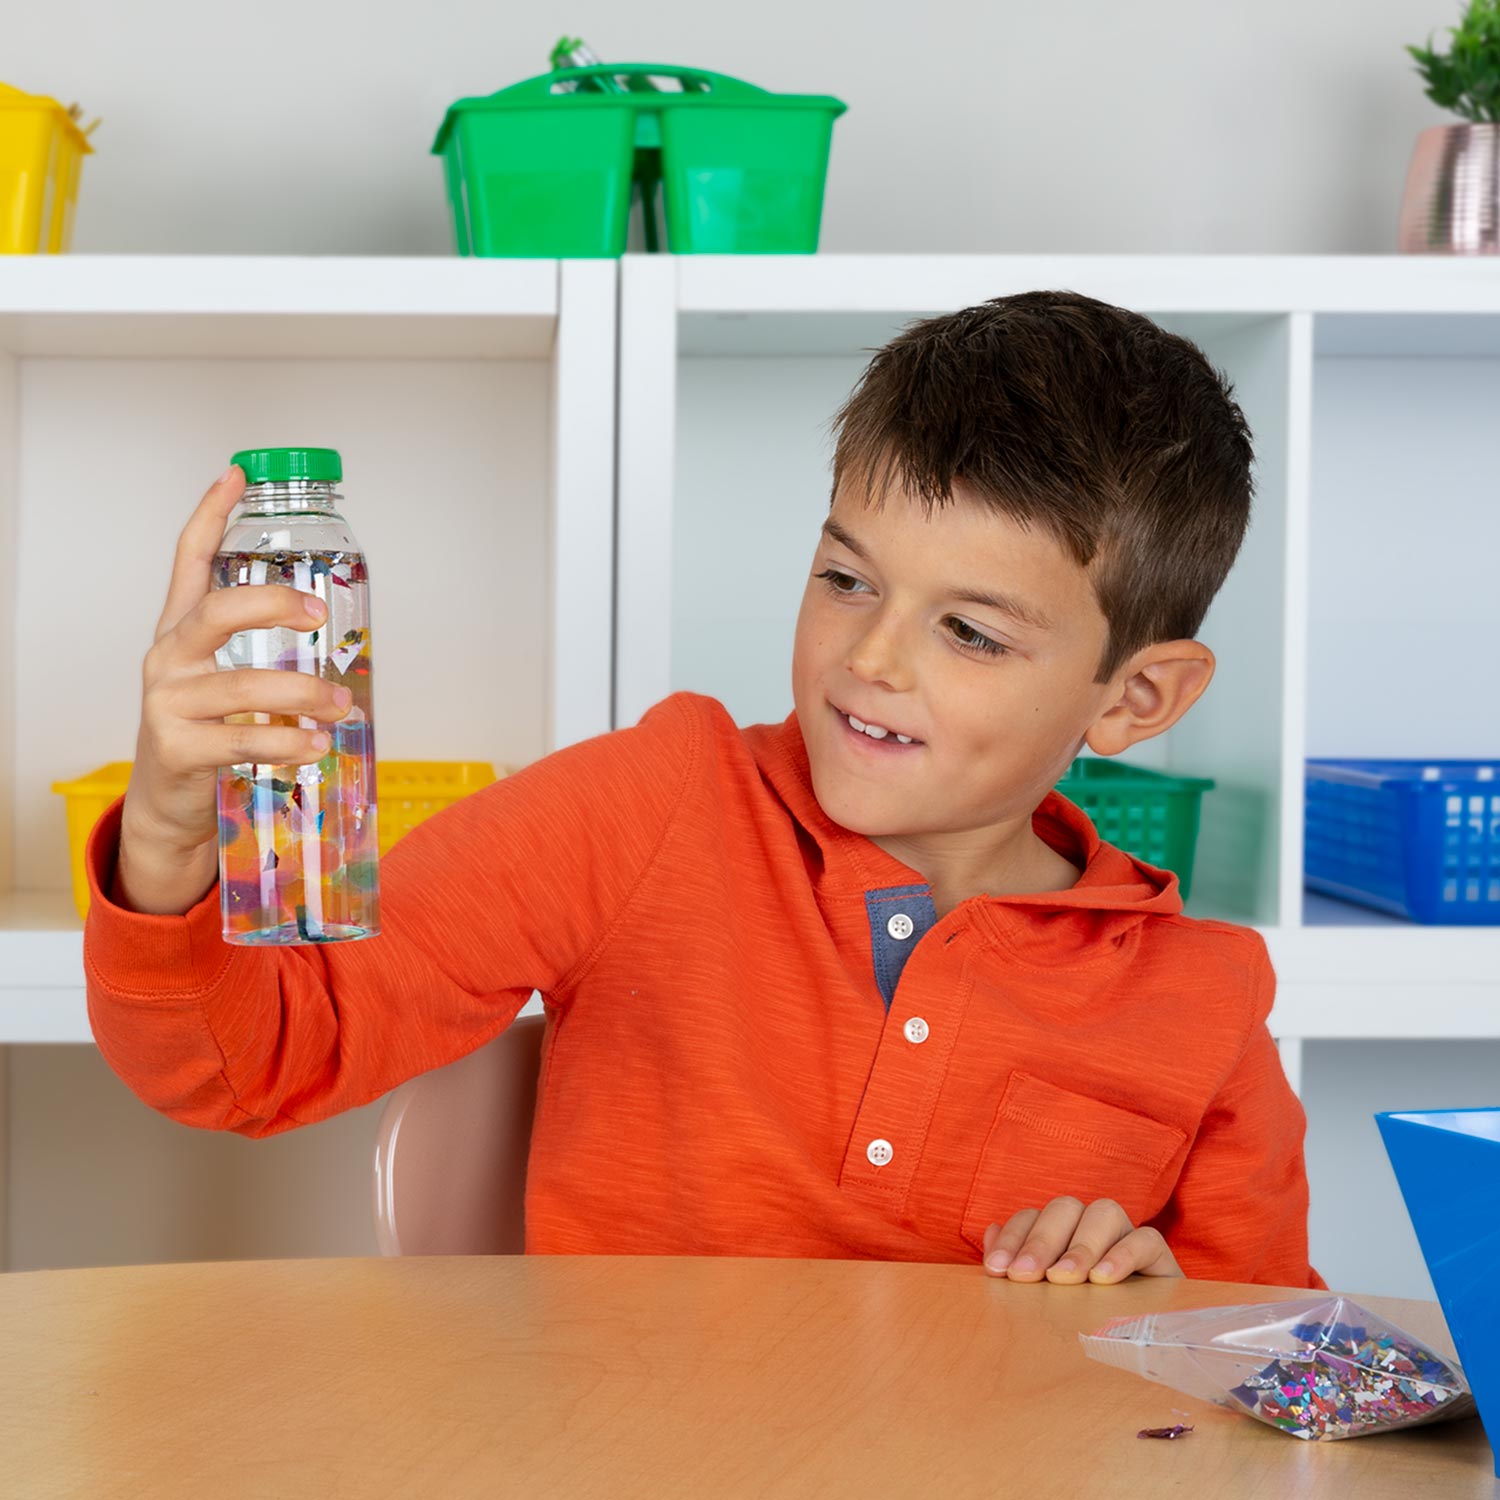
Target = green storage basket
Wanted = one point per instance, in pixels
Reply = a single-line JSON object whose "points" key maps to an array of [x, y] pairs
{"points": [[536, 172], [1145, 813]]}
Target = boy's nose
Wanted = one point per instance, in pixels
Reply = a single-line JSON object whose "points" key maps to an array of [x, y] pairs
{"points": [[879, 655]]}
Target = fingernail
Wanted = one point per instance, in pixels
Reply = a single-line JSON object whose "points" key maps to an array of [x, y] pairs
{"points": [[1104, 1268], [314, 607], [1067, 1263], [227, 475], [997, 1260], [1026, 1263], [320, 741], [343, 697]]}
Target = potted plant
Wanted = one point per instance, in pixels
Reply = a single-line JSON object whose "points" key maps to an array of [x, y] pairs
{"points": [[1451, 205]]}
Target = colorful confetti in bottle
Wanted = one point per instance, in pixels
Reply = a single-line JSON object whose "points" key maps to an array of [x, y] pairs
{"points": [[298, 843]]}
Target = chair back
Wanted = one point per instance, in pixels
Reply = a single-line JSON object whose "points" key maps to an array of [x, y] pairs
{"points": [[451, 1150]]}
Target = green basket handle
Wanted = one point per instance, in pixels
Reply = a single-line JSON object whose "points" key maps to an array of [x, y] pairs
{"points": [[720, 85]]}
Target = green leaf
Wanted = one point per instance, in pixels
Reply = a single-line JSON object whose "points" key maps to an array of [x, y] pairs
{"points": [[1467, 79]]}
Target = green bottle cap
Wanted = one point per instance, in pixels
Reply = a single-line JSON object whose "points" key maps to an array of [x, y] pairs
{"points": [[279, 465]]}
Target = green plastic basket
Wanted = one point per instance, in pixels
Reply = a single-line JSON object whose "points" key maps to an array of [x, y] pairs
{"points": [[532, 171], [1145, 813]]}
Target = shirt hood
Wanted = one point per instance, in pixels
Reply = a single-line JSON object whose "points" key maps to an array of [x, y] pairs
{"points": [[1112, 896]]}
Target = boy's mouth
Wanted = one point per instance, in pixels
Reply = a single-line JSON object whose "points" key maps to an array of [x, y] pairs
{"points": [[879, 737]]}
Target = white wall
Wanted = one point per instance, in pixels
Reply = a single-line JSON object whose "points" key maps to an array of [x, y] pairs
{"points": [[1358, 1231], [1088, 127]]}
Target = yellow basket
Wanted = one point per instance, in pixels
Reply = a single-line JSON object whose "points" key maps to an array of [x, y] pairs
{"points": [[407, 791], [88, 798], [41, 158]]}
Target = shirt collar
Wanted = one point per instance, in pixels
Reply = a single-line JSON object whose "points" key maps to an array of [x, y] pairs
{"points": [[1111, 880]]}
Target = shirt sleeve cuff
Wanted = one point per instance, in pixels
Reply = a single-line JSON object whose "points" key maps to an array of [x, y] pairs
{"points": [[141, 951]]}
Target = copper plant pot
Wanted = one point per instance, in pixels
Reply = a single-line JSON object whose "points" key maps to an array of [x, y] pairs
{"points": [[1451, 205]]}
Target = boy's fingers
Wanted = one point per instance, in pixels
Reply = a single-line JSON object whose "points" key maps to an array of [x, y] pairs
{"points": [[1052, 1231], [205, 745], [1067, 1243], [216, 695], [1143, 1252], [1001, 1245], [197, 546], [212, 620], [1103, 1223]]}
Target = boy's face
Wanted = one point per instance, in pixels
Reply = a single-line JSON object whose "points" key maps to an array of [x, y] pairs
{"points": [[890, 638]]}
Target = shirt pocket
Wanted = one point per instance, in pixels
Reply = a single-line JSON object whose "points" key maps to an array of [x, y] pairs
{"points": [[1047, 1142]]}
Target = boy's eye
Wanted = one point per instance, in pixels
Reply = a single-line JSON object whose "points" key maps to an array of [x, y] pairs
{"points": [[971, 639], [964, 635], [838, 583]]}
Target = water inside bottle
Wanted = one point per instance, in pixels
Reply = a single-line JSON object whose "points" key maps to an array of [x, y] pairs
{"points": [[298, 844]]}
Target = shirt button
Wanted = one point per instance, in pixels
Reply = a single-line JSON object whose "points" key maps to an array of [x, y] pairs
{"points": [[879, 1152], [900, 927], [916, 1029]]}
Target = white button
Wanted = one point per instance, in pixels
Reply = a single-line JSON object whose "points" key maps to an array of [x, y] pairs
{"points": [[916, 1029], [899, 927], [879, 1152]]}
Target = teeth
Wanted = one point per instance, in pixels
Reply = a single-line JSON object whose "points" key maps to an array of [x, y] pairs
{"points": [[875, 731]]}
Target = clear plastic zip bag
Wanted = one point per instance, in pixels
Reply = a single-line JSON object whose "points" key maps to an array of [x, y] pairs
{"points": [[1321, 1367]]}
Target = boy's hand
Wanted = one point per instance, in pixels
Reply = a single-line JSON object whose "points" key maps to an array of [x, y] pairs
{"points": [[169, 827], [1069, 1244]]}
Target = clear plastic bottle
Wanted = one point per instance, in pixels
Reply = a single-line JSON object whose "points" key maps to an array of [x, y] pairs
{"points": [[298, 848]]}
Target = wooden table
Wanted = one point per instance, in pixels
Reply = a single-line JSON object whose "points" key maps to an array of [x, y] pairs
{"points": [[650, 1376]]}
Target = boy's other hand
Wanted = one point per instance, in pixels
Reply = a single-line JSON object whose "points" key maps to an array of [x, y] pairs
{"points": [[1067, 1244]]}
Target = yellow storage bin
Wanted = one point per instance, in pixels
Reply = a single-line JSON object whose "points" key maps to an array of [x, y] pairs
{"points": [[407, 791], [42, 149], [87, 799]]}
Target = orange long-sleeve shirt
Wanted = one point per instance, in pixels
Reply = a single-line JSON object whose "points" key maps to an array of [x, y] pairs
{"points": [[763, 1039]]}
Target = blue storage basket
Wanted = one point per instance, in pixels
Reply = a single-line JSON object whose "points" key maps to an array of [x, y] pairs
{"points": [[1417, 838]]}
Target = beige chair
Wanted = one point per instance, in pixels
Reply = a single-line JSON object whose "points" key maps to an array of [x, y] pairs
{"points": [[451, 1149]]}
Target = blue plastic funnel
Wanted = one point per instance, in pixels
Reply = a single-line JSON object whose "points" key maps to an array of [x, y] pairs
{"points": [[1448, 1165]]}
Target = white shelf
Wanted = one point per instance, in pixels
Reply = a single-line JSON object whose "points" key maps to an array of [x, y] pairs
{"points": [[41, 975], [1398, 980], [1319, 910], [1404, 987], [264, 307], [1185, 283], [841, 304]]}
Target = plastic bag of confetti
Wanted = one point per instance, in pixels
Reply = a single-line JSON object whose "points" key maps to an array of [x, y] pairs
{"points": [[1320, 1367]]}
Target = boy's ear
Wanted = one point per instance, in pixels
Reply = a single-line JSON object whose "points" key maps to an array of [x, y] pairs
{"points": [[1157, 686]]}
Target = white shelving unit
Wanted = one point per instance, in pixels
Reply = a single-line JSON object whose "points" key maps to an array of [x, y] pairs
{"points": [[475, 403], [731, 366], [475, 406], [624, 465]]}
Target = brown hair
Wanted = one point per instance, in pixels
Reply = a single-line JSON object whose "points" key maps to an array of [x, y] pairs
{"points": [[1089, 420]]}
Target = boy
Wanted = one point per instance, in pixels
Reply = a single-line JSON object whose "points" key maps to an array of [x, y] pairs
{"points": [[859, 984]]}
